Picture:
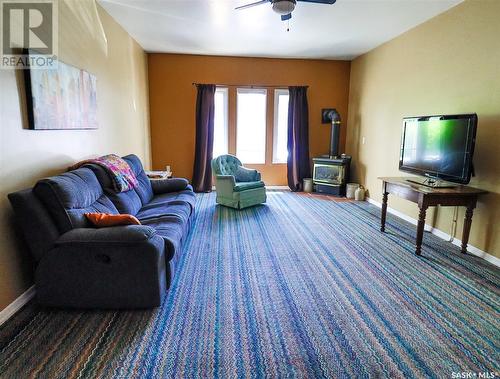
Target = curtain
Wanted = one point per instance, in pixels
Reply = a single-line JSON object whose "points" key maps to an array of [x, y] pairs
{"points": [[205, 109], [298, 166]]}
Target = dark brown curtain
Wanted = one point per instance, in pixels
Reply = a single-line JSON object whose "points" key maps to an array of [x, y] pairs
{"points": [[205, 108], [298, 166]]}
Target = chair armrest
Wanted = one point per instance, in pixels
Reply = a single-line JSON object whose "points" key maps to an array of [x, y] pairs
{"points": [[225, 184], [112, 235], [169, 185], [258, 177], [115, 267]]}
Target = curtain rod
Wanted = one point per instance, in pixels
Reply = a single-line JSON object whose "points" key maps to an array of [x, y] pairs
{"points": [[251, 85]]}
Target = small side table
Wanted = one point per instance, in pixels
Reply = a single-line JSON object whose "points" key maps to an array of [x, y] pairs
{"points": [[427, 197], [158, 175]]}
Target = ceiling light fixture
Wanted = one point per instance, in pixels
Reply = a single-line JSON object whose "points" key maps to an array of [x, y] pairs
{"points": [[284, 6]]}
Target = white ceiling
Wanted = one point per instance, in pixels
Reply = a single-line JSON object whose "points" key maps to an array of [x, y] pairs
{"points": [[212, 27]]}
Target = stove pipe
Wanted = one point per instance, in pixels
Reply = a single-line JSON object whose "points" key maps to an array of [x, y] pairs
{"points": [[334, 117], [334, 139]]}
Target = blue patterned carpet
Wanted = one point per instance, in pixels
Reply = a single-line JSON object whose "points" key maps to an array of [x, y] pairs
{"points": [[301, 287]]}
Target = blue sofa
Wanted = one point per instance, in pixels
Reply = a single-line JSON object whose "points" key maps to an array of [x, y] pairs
{"points": [[80, 266]]}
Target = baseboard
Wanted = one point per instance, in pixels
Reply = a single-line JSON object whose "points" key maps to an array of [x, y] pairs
{"points": [[274, 188], [17, 304], [280, 188], [439, 233], [411, 220]]}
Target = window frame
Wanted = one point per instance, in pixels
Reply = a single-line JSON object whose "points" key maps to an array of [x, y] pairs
{"points": [[225, 93], [277, 93], [253, 90]]}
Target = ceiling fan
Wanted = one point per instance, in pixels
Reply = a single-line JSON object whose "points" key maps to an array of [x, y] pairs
{"points": [[284, 7]]}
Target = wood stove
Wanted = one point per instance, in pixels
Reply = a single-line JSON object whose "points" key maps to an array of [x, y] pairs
{"points": [[331, 172], [330, 175]]}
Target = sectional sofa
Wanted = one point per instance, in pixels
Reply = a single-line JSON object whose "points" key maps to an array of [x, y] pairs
{"points": [[80, 266]]}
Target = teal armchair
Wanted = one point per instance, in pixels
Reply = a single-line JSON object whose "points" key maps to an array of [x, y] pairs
{"points": [[236, 186]]}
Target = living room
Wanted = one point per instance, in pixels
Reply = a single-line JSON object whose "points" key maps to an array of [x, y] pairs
{"points": [[241, 261]]}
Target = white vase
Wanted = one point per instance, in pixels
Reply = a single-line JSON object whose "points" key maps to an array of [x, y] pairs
{"points": [[359, 194], [351, 190]]}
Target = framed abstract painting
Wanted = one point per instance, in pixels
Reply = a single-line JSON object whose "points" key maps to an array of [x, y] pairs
{"points": [[62, 98]]}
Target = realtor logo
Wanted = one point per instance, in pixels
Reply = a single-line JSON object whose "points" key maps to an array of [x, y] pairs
{"points": [[28, 26]]}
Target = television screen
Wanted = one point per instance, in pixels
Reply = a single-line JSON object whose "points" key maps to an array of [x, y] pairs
{"points": [[439, 146]]}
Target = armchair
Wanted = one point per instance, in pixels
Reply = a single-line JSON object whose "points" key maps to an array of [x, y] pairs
{"points": [[236, 186]]}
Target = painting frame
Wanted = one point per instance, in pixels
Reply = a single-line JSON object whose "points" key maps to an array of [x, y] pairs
{"points": [[60, 99]]}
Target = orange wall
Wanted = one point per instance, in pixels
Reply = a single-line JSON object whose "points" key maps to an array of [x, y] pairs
{"points": [[172, 100]]}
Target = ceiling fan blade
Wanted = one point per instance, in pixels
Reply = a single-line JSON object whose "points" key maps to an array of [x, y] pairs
{"points": [[253, 4], [331, 2], [285, 17]]}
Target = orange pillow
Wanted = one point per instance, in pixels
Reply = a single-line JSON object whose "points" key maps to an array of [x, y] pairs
{"points": [[104, 219]]}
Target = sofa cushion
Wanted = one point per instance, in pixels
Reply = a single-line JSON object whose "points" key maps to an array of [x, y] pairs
{"points": [[187, 196], [143, 190], [180, 209], [169, 214], [242, 186], [129, 202], [172, 229], [69, 196]]}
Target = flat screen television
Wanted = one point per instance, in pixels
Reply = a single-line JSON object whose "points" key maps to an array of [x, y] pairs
{"points": [[439, 147]]}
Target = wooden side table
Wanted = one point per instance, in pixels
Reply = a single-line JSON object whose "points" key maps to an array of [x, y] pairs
{"points": [[158, 175], [427, 197]]}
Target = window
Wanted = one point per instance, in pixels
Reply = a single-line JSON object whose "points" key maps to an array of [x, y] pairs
{"points": [[220, 123], [251, 125], [249, 128], [280, 133]]}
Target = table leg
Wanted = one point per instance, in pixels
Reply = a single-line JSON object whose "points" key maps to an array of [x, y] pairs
{"points": [[467, 225], [420, 229], [384, 211]]}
